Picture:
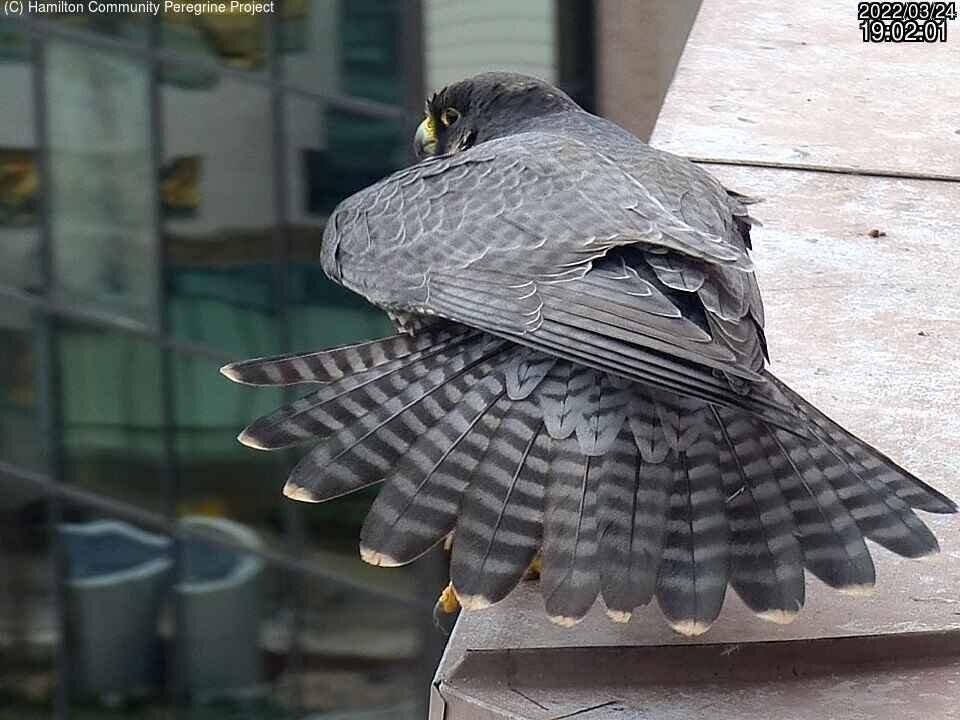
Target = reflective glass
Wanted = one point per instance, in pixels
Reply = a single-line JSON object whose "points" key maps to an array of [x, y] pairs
{"points": [[232, 36], [218, 209], [361, 652], [29, 629], [331, 154], [464, 38], [217, 204], [101, 199], [19, 176], [21, 434], [112, 404], [131, 26], [311, 45], [219, 477], [229, 625], [323, 314], [118, 578], [352, 48], [371, 62]]}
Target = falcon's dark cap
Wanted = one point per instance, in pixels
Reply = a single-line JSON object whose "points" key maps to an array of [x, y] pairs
{"points": [[484, 107]]}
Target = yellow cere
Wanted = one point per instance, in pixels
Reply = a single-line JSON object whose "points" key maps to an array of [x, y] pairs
{"points": [[429, 126]]}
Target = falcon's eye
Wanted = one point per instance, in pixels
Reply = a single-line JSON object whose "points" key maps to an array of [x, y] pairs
{"points": [[449, 117]]}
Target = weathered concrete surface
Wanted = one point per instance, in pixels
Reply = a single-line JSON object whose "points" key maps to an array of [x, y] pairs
{"points": [[794, 84], [638, 46]]}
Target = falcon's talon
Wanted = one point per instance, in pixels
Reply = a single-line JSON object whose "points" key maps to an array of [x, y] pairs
{"points": [[448, 602], [533, 571]]}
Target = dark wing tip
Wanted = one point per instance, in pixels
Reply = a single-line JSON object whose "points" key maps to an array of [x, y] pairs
{"points": [[937, 502]]}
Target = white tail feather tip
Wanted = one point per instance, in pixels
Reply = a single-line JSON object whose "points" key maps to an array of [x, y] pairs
{"points": [[296, 492], [251, 442], [690, 628], [858, 590], [780, 617], [373, 557], [473, 602], [564, 621]]}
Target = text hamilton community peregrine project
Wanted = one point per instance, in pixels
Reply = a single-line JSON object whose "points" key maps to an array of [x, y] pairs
{"points": [[150, 8]]}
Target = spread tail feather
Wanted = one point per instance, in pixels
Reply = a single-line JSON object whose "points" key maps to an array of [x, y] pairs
{"points": [[629, 491]]}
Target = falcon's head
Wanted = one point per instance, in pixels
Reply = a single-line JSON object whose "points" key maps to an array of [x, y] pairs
{"points": [[484, 107]]}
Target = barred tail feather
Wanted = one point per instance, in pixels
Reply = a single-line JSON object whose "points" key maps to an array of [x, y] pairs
{"points": [[627, 490], [695, 568], [880, 515], [632, 517], [336, 405], [767, 562], [569, 577], [336, 363], [832, 546], [870, 462], [501, 519], [365, 452], [418, 506]]}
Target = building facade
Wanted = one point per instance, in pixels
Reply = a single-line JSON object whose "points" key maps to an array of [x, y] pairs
{"points": [[164, 182]]}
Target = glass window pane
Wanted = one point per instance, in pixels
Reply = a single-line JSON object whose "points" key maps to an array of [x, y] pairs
{"points": [[310, 45], [130, 26], [463, 39], [219, 477], [575, 43], [19, 177], [372, 60], [29, 629], [361, 651], [322, 314], [236, 625], [112, 404], [333, 153], [217, 202], [101, 199], [234, 38], [117, 600], [345, 47], [320, 144], [21, 436]]}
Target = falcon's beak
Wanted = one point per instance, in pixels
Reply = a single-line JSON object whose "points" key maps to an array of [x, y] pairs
{"points": [[425, 141]]}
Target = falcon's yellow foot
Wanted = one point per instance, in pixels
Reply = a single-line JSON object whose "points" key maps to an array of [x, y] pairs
{"points": [[448, 602], [533, 572]]}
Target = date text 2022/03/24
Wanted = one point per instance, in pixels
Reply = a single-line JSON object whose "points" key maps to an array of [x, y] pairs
{"points": [[897, 22]]}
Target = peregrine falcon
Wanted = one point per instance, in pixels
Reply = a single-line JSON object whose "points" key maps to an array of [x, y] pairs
{"points": [[578, 377]]}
